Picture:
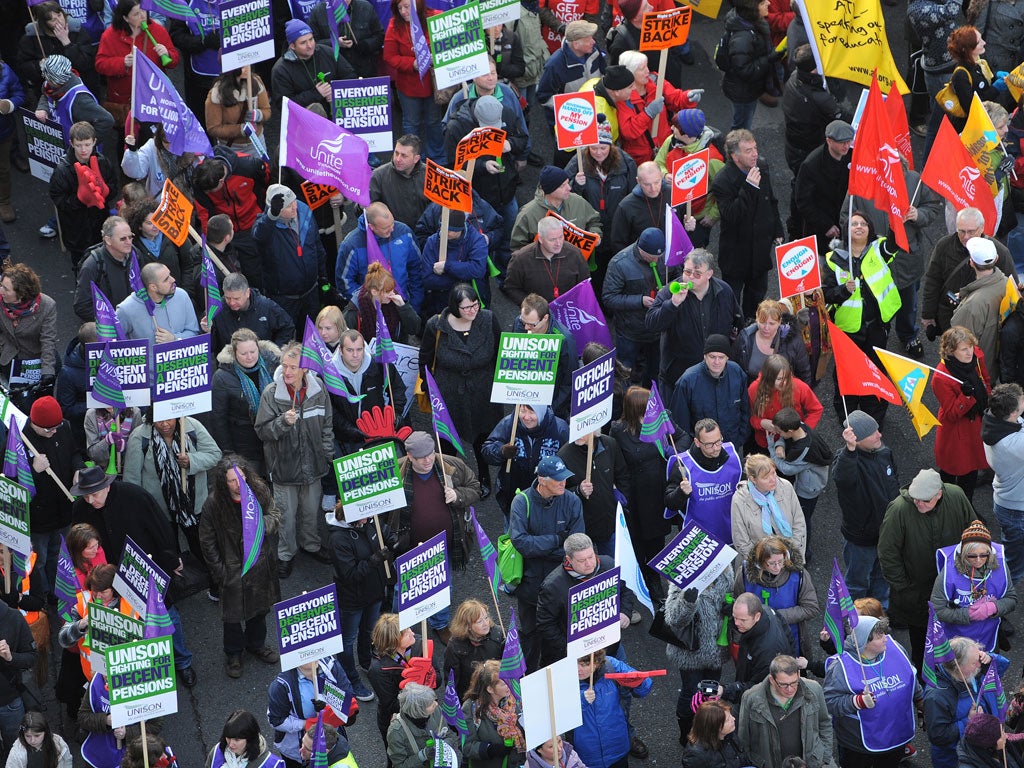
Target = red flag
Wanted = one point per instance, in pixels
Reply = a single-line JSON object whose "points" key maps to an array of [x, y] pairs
{"points": [[875, 171], [897, 111], [952, 172], [856, 373]]}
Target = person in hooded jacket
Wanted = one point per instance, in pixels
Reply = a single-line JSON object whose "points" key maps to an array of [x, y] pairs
{"points": [[395, 244], [752, 60], [1002, 432], [984, 739], [380, 287], [242, 744], [539, 434], [870, 727], [603, 740], [67, 100], [392, 648], [465, 262], [291, 76], [359, 556], [362, 376], [807, 107], [596, 484], [55, 33]]}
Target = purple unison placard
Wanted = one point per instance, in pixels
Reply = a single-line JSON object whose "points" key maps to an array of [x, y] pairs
{"points": [[308, 627], [694, 558], [181, 378], [247, 33], [132, 577], [593, 614], [131, 359], [363, 107], [592, 394], [424, 581]]}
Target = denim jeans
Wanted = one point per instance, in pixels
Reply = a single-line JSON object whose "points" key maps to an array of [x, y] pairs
{"points": [[743, 114], [1011, 521], [182, 655], [356, 627], [864, 573], [422, 117], [47, 549], [10, 723]]}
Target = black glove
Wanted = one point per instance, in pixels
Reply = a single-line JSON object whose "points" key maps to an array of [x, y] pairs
{"points": [[381, 555], [562, 536], [319, 705], [276, 204], [47, 380], [31, 603], [508, 451], [932, 332], [776, 56], [11, 598], [496, 749], [211, 41], [967, 388], [690, 595]]}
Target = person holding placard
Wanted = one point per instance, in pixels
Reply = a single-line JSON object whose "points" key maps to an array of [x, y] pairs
{"points": [[549, 266], [535, 317], [418, 730], [495, 740], [715, 388], [626, 37], [577, 60], [603, 740], [553, 195], [154, 247], [465, 262], [153, 163], [360, 36], [598, 472], [392, 649], [541, 520], [227, 109]]}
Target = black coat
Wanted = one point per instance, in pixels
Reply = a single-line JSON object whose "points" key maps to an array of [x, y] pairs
{"points": [[807, 108], [820, 190], [496, 188], [462, 656], [1011, 347], [231, 423], [50, 509], [608, 472], [72, 382], [769, 637], [263, 316], [750, 221], [731, 755], [110, 276], [376, 393], [361, 582], [751, 59], [646, 469], [80, 224]]}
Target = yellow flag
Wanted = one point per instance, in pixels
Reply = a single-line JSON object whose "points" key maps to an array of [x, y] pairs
{"points": [[910, 378], [1009, 301], [980, 139], [709, 8], [851, 41], [1015, 82]]}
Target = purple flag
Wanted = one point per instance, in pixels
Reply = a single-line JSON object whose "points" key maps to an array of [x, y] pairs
{"points": [[16, 464], [487, 553], [936, 647], [108, 327], [324, 153], [676, 240], [451, 708], [318, 756], [317, 357], [66, 588], [513, 663], [135, 281], [992, 686], [158, 623], [443, 424], [656, 424], [375, 256], [578, 312], [839, 608], [252, 523], [337, 13], [385, 352], [420, 47], [208, 280], [106, 386], [157, 101]]}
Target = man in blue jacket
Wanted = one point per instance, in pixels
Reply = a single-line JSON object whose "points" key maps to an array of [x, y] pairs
{"points": [[465, 262], [715, 388], [294, 260]]}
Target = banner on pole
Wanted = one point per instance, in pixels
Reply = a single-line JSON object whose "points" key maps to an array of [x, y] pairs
{"points": [[131, 581], [526, 368], [368, 482], [247, 33], [108, 627], [447, 188], [141, 681], [693, 558], [458, 48], [308, 627], [424, 581], [797, 263], [690, 177], [665, 29], [592, 394], [363, 107], [593, 614], [575, 120], [182, 385]]}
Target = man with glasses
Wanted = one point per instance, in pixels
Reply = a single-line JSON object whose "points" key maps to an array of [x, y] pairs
{"points": [[950, 270], [763, 635], [535, 317], [927, 515], [785, 715], [702, 306], [107, 266], [711, 467]]}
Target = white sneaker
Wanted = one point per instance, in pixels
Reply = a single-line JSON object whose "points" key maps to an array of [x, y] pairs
{"points": [[47, 231], [327, 505]]}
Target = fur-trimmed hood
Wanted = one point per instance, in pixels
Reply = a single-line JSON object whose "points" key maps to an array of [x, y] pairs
{"points": [[269, 351]]}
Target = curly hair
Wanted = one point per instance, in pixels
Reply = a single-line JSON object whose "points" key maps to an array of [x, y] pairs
{"points": [[135, 213], [953, 338], [252, 479], [24, 280]]}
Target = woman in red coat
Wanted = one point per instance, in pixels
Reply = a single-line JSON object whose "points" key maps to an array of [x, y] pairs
{"points": [[774, 390], [959, 452], [114, 56], [420, 115]]}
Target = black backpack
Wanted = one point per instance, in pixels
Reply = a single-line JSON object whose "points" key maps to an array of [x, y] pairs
{"points": [[721, 57]]}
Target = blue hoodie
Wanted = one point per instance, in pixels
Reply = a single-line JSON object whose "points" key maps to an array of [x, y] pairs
{"points": [[400, 253]]}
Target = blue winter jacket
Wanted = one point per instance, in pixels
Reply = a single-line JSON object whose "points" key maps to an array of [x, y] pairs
{"points": [[532, 445], [603, 739], [698, 395], [400, 250], [287, 270], [465, 262], [10, 88]]}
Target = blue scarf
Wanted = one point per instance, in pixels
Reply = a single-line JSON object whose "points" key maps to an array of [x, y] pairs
{"points": [[771, 513], [249, 390]]}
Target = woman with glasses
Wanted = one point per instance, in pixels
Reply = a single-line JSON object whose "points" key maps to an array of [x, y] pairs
{"points": [[460, 349], [973, 590]]}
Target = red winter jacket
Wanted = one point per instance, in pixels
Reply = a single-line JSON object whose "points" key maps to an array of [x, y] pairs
{"points": [[805, 402], [958, 446], [398, 54], [116, 44], [635, 125]]}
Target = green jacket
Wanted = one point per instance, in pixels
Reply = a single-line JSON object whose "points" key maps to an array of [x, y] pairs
{"points": [[907, 542]]}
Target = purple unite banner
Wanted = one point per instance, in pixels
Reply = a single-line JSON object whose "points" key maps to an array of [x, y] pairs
{"points": [[424, 581], [309, 627]]}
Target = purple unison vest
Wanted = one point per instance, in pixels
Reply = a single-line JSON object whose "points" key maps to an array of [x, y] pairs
{"points": [[958, 590], [61, 110], [710, 504], [785, 596], [100, 749], [272, 760], [890, 680]]}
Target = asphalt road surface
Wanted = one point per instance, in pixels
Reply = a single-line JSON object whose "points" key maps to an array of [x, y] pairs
{"points": [[202, 710]]}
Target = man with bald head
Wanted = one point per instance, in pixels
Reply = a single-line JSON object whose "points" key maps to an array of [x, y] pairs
{"points": [[642, 208], [396, 246], [159, 312]]}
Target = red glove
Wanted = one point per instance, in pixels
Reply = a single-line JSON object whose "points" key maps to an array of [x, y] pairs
{"points": [[92, 189], [634, 678], [377, 424], [419, 670]]}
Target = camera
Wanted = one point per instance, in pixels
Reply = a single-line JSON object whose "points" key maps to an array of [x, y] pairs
{"points": [[708, 687]]}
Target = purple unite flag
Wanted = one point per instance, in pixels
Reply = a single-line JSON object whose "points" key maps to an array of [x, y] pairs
{"points": [[66, 588], [936, 647], [487, 553], [106, 387], [656, 425], [253, 529], [385, 353], [317, 358], [513, 663], [158, 623], [420, 47], [208, 280], [578, 312]]}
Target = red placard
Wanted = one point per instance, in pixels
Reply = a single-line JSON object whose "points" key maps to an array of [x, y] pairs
{"points": [[173, 214], [447, 188], [480, 142], [665, 29], [575, 120], [690, 177], [797, 262], [585, 241]]}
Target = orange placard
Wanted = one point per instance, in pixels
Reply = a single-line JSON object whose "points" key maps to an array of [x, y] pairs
{"points": [[481, 142], [575, 120], [174, 214], [447, 188], [690, 177], [797, 263], [585, 241], [665, 29], [317, 194]]}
